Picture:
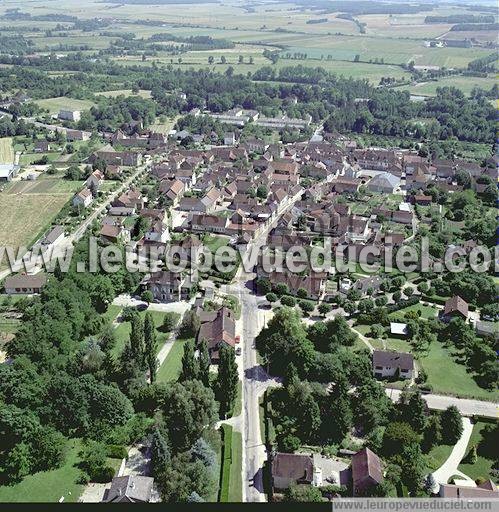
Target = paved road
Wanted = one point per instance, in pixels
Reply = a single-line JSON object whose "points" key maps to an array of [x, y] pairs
{"points": [[449, 467], [466, 407]]}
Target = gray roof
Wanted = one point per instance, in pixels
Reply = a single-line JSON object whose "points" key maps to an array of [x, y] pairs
{"points": [[130, 488], [401, 360], [385, 179], [53, 235], [7, 169]]}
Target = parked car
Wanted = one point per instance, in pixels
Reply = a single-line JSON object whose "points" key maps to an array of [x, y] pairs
{"points": [[238, 339], [238, 351]]}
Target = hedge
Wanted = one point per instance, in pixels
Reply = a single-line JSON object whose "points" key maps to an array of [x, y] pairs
{"points": [[226, 462]]}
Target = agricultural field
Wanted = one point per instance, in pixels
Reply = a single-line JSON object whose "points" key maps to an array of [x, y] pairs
{"points": [[6, 151], [465, 83], [25, 216], [124, 92], [54, 105]]}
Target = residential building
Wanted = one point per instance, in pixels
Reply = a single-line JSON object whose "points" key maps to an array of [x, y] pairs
{"points": [[384, 183], [56, 234], [8, 172], [24, 283], [219, 329], [455, 307], [130, 489], [69, 115], [393, 364], [367, 471], [168, 286], [83, 198], [291, 469]]}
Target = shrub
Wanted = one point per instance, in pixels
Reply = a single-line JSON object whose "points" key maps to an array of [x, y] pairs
{"points": [[271, 297], [302, 293], [289, 301], [116, 451]]}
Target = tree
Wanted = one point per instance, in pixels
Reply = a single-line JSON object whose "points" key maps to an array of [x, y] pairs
{"points": [[211, 59], [190, 325], [307, 306], [372, 407], [302, 293], [160, 452], [302, 494], [452, 425], [227, 380], [413, 466], [263, 286], [150, 345], [350, 308], [432, 434], [147, 296], [223, 59], [324, 308], [204, 363], [415, 411], [137, 340], [289, 301], [190, 366], [271, 297], [281, 289], [17, 464], [189, 409], [396, 436], [170, 321]]}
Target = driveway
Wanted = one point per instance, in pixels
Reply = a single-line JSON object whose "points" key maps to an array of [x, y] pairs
{"points": [[449, 467], [466, 407]]}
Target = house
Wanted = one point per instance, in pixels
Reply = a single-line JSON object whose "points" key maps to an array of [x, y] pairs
{"points": [[94, 180], [391, 364], [229, 139], [290, 469], [72, 135], [8, 172], [422, 200], [53, 236], [24, 283], [398, 329], [486, 491], [168, 286], [367, 471], [455, 307], [342, 185], [219, 329], [173, 190], [314, 283], [113, 234], [130, 199], [384, 183], [130, 489], [158, 232], [209, 223], [69, 115], [42, 146], [83, 198]]}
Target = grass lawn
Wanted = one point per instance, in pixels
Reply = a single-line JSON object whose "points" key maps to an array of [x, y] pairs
{"points": [[214, 242], [54, 105], [49, 486], [123, 330], [487, 451], [170, 369], [447, 376], [236, 482], [437, 456], [124, 92], [6, 150], [238, 406], [426, 311]]}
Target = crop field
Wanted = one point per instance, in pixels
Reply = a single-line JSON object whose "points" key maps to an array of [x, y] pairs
{"points": [[124, 92], [26, 216], [465, 83], [6, 151], [53, 105], [43, 186]]}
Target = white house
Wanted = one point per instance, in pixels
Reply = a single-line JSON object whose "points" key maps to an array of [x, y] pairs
{"points": [[69, 115], [391, 364], [83, 198]]}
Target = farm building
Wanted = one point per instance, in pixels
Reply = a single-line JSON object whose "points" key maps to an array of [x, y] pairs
{"points": [[8, 171]]}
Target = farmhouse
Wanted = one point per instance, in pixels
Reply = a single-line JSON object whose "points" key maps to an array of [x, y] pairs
{"points": [[130, 489], [23, 283], [69, 115], [168, 286], [8, 171], [455, 307], [384, 183], [53, 236], [83, 198], [390, 364], [367, 471], [217, 331], [290, 469]]}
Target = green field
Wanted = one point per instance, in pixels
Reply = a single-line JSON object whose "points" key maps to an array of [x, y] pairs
{"points": [[6, 151], [54, 105], [170, 369], [49, 486], [26, 216], [124, 92], [486, 444], [465, 83]]}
